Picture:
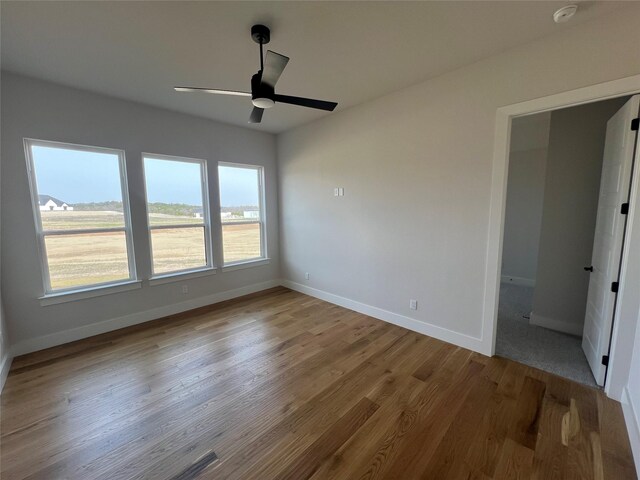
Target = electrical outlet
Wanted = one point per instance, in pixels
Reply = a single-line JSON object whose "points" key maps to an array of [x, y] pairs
{"points": [[341, 192], [185, 289], [413, 304], [306, 275], [336, 192]]}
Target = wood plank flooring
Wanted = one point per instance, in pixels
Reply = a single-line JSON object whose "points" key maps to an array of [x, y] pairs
{"points": [[279, 385]]}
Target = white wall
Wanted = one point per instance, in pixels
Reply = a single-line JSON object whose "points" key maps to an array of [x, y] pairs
{"points": [[572, 186], [32, 108], [523, 216], [525, 193], [416, 169], [5, 352], [631, 399]]}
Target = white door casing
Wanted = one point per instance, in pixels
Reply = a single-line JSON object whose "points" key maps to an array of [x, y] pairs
{"points": [[615, 183]]}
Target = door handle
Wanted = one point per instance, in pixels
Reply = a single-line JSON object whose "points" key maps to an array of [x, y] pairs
{"points": [[588, 269]]}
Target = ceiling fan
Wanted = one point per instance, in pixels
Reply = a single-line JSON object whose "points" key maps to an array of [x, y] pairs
{"points": [[263, 83]]}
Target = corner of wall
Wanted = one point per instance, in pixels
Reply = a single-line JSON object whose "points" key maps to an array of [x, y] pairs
{"points": [[5, 366], [632, 421]]}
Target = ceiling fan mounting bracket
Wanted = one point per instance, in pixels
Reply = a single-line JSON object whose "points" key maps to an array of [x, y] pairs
{"points": [[260, 34]]}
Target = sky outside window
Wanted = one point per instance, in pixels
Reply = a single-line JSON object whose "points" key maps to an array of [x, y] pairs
{"points": [[238, 186], [170, 181], [76, 176]]}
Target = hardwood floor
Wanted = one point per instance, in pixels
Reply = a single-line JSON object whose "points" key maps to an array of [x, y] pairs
{"points": [[282, 385]]}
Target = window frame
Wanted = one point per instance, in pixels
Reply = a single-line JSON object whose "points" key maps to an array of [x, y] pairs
{"points": [[206, 218], [262, 222], [41, 233]]}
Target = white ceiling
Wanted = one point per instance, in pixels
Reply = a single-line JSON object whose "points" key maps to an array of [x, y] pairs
{"points": [[347, 52]]}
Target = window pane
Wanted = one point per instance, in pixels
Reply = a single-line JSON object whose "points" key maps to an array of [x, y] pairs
{"points": [[241, 242], [81, 188], [86, 259], [240, 202], [174, 191], [77, 189], [177, 249], [239, 193]]}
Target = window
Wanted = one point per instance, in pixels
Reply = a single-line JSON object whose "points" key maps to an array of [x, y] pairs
{"points": [[241, 212], [81, 209], [177, 209]]}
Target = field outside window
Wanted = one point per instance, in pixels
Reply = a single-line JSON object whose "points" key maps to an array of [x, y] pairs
{"points": [[82, 215], [241, 212]]}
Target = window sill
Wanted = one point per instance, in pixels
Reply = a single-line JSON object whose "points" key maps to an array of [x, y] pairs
{"points": [[180, 276], [248, 264], [64, 297]]}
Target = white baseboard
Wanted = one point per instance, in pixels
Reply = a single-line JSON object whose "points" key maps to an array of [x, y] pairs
{"points": [[557, 325], [632, 420], [5, 365], [66, 336], [525, 282], [424, 328]]}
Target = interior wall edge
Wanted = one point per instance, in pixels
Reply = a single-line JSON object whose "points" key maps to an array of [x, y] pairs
{"points": [[34, 344], [632, 421], [5, 366], [431, 330]]}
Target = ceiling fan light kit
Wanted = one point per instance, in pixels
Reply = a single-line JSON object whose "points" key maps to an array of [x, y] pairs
{"points": [[263, 83]]}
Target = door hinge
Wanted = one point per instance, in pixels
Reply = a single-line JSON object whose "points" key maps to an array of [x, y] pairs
{"points": [[635, 124], [605, 360], [624, 209], [614, 287]]}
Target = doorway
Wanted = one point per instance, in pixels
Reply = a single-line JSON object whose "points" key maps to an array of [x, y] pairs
{"points": [[558, 221]]}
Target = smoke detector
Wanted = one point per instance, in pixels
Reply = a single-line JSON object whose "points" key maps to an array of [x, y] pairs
{"points": [[564, 14]]}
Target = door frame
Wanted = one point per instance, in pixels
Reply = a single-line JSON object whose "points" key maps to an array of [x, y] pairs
{"points": [[616, 379]]}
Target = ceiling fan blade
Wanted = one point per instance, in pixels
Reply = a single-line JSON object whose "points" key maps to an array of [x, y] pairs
{"points": [[212, 90], [306, 102], [274, 64], [256, 115]]}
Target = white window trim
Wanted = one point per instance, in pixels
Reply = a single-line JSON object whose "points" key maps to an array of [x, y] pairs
{"points": [[182, 275], [167, 277], [241, 265], [89, 292], [264, 258], [42, 234]]}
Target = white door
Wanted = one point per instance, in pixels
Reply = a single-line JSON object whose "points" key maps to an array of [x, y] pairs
{"points": [[615, 182]]}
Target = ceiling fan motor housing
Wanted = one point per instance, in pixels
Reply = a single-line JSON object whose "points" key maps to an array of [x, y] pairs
{"points": [[261, 34], [262, 95]]}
